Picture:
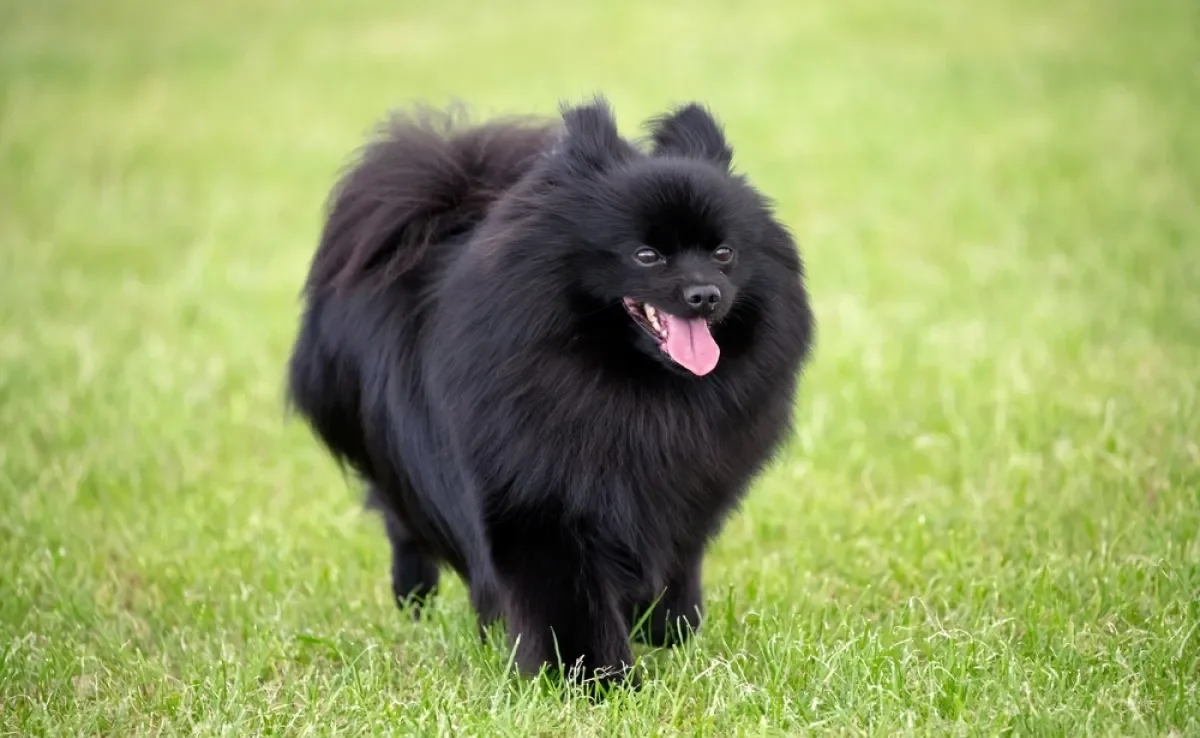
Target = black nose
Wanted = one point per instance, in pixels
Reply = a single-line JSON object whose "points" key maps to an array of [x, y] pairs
{"points": [[702, 298]]}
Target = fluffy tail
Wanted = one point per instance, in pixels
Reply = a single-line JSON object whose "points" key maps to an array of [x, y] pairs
{"points": [[424, 179]]}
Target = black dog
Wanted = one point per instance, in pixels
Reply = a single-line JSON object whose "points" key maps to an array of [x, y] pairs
{"points": [[558, 360]]}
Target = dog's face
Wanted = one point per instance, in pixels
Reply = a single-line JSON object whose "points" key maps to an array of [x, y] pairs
{"points": [[675, 262], [671, 237]]}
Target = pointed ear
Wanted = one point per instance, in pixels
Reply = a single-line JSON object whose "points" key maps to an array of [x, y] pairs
{"points": [[591, 143], [690, 131]]}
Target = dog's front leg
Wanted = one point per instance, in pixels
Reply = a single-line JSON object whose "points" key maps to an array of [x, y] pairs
{"points": [[557, 597]]}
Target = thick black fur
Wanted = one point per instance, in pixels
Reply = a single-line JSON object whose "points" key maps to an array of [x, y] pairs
{"points": [[465, 350]]}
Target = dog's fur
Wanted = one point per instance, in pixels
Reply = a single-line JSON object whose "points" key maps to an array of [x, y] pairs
{"points": [[465, 349]]}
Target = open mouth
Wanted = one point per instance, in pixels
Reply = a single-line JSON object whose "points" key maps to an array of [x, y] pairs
{"points": [[648, 318], [686, 341]]}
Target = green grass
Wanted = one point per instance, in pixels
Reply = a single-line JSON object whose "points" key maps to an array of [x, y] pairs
{"points": [[988, 520]]}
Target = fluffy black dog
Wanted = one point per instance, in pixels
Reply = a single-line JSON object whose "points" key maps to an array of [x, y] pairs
{"points": [[558, 360]]}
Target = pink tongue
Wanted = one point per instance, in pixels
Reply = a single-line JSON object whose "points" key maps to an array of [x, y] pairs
{"points": [[690, 344]]}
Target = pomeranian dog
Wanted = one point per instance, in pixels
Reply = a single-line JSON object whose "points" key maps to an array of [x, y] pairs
{"points": [[557, 358]]}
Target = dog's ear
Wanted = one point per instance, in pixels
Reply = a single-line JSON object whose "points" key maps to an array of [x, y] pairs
{"points": [[591, 143], [690, 131]]}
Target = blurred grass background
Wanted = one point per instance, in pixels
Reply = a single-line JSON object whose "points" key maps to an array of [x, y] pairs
{"points": [[987, 521]]}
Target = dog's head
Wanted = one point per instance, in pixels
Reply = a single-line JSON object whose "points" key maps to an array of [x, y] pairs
{"points": [[670, 235]]}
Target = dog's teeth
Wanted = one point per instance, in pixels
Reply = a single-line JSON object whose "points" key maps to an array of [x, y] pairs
{"points": [[652, 314]]}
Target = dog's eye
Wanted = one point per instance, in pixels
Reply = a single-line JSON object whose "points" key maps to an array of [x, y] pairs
{"points": [[723, 254], [647, 257]]}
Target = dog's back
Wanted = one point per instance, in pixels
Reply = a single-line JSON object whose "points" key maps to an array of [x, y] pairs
{"points": [[420, 187]]}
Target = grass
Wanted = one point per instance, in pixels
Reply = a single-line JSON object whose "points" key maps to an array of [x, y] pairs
{"points": [[988, 519]]}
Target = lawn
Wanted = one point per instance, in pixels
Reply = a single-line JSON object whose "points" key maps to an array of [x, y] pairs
{"points": [[988, 519]]}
